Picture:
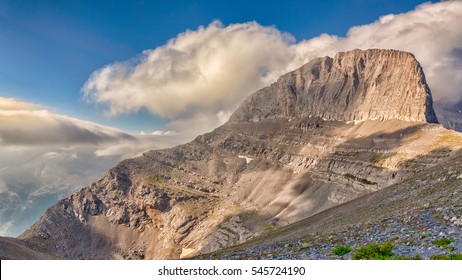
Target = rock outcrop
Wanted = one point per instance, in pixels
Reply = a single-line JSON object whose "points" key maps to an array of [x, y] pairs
{"points": [[290, 151], [352, 86]]}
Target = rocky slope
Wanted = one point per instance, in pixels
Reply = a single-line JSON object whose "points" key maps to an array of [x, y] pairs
{"points": [[420, 217], [16, 249], [327, 133]]}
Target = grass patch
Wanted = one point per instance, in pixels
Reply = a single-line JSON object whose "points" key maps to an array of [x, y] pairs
{"points": [[443, 151], [341, 250], [378, 158], [367, 182], [374, 252], [361, 180], [350, 176], [414, 258], [447, 257], [407, 163], [443, 242]]}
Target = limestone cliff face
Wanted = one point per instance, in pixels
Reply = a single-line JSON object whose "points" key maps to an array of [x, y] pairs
{"points": [[355, 85]]}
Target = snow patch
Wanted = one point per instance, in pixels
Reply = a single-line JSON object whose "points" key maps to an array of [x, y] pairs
{"points": [[247, 159]]}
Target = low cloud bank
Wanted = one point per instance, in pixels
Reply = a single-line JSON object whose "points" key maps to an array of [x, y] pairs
{"points": [[45, 156]]}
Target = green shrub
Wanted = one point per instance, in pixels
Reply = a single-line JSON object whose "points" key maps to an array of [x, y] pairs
{"points": [[374, 252], [361, 180], [416, 257], [350, 176], [442, 242], [377, 158], [341, 250], [367, 182], [305, 245], [447, 257]]}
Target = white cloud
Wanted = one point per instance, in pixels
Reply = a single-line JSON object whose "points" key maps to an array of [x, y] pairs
{"points": [[30, 124], [198, 78], [45, 156], [205, 71], [431, 32], [163, 133]]}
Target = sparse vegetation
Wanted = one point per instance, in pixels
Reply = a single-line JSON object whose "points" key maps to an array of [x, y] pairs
{"points": [[374, 252], [341, 250], [447, 257], [442, 151], [350, 176], [416, 257], [443, 242], [377, 158], [407, 163], [367, 182], [361, 180]]}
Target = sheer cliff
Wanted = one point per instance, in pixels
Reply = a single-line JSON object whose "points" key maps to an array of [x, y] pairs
{"points": [[356, 85], [331, 131]]}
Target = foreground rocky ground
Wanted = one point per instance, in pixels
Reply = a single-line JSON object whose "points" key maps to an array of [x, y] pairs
{"points": [[412, 236]]}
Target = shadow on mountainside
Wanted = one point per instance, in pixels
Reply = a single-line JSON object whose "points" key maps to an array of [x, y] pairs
{"points": [[431, 191], [366, 159]]}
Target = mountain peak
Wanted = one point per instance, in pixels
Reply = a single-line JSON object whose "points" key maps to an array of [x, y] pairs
{"points": [[357, 85]]}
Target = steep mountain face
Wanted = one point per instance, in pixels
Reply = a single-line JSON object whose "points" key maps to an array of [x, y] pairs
{"points": [[331, 131], [352, 86]]}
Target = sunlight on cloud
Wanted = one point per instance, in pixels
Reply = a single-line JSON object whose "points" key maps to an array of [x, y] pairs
{"points": [[207, 71], [198, 78], [45, 156]]}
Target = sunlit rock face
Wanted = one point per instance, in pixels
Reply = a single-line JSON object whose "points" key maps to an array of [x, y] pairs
{"points": [[353, 86]]}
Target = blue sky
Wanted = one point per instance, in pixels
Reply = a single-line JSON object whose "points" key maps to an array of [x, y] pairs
{"points": [[48, 49]]}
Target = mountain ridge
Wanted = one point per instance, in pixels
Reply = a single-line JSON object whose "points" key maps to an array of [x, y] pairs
{"points": [[259, 171], [353, 86]]}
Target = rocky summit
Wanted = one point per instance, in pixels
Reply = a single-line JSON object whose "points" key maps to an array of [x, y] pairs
{"points": [[352, 86], [325, 134]]}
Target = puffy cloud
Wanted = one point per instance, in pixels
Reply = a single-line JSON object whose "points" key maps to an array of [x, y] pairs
{"points": [[198, 78], [208, 71], [431, 32]]}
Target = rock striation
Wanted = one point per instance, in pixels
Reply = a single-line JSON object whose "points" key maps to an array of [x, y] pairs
{"points": [[353, 86]]}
